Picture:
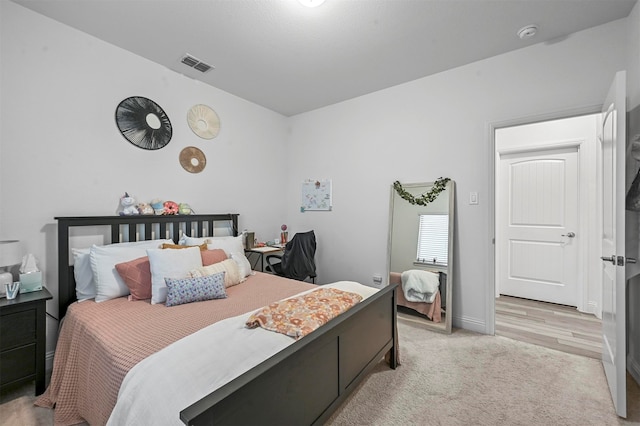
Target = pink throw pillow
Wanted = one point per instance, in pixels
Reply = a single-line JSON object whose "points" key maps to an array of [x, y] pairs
{"points": [[209, 257], [136, 274]]}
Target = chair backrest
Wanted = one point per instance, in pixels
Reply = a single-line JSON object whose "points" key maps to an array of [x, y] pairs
{"points": [[298, 260]]}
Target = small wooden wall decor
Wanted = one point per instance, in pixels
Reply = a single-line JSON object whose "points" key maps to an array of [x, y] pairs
{"points": [[143, 123], [192, 159]]}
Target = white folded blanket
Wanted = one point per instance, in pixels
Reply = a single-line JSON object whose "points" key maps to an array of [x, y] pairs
{"points": [[420, 286]]}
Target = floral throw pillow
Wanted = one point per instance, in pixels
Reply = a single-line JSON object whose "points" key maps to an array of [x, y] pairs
{"points": [[187, 290]]}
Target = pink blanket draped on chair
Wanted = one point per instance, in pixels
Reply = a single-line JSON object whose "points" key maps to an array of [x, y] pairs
{"points": [[431, 310]]}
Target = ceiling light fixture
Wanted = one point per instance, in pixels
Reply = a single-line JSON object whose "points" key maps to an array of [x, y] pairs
{"points": [[311, 3], [527, 31]]}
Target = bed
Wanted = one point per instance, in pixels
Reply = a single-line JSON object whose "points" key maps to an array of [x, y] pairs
{"points": [[433, 310], [109, 349]]}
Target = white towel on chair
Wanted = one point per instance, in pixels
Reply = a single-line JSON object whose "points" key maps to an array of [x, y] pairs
{"points": [[420, 286]]}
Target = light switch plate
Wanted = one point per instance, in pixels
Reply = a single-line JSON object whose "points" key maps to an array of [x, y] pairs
{"points": [[473, 198]]}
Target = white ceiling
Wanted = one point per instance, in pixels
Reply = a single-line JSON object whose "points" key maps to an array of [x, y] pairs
{"points": [[292, 59]]}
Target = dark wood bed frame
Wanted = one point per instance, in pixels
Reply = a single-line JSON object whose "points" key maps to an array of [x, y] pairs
{"points": [[303, 384]]}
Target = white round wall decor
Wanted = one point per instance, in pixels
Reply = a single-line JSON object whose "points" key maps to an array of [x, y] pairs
{"points": [[203, 121]]}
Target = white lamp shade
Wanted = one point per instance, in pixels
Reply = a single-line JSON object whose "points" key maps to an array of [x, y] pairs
{"points": [[10, 253]]}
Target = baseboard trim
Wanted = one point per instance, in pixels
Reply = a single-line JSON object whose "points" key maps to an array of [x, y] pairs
{"points": [[592, 308], [471, 324], [48, 361]]}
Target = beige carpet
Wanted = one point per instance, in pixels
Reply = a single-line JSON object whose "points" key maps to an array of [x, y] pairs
{"points": [[461, 379], [17, 409], [472, 379]]}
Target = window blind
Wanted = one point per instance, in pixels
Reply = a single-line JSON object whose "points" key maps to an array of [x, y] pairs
{"points": [[433, 239]]}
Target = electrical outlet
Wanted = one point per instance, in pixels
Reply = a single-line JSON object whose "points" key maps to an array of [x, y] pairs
{"points": [[377, 279]]}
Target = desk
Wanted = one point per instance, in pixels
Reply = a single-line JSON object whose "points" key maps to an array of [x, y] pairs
{"points": [[256, 255]]}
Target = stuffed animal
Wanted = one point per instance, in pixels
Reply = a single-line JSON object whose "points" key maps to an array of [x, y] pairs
{"points": [[170, 207], [128, 204], [184, 208], [157, 206], [144, 208]]}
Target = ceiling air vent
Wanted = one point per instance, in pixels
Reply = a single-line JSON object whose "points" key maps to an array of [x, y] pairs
{"points": [[196, 63], [202, 67]]}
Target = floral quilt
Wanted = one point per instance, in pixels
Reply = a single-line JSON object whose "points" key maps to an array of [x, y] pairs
{"points": [[299, 316]]}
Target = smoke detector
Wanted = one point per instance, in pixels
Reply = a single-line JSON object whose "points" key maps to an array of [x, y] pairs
{"points": [[527, 31]]}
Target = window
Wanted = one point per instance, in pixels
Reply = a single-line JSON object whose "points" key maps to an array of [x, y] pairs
{"points": [[433, 239]]}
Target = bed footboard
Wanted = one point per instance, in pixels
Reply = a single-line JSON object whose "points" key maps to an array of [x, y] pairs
{"points": [[307, 381]]}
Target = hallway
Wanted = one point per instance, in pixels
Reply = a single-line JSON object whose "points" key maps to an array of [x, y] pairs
{"points": [[546, 324]]}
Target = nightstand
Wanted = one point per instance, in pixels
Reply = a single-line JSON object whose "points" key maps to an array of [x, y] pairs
{"points": [[23, 339]]}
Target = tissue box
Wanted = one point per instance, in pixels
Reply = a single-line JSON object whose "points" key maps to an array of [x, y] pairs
{"points": [[31, 282]]}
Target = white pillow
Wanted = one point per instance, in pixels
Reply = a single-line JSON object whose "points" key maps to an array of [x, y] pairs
{"points": [[243, 264], [170, 264], [192, 241], [228, 244], [229, 267], [103, 259], [85, 284]]}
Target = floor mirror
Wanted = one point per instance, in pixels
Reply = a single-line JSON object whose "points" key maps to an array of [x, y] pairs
{"points": [[421, 229]]}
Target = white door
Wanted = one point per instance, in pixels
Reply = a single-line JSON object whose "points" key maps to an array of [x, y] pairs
{"points": [[538, 247], [613, 140]]}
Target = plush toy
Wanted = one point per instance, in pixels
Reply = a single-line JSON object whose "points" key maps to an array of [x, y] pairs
{"points": [[128, 204], [144, 208], [170, 207], [184, 208], [158, 206]]}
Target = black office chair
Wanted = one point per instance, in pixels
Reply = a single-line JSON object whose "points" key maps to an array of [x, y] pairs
{"points": [[298, 260]]}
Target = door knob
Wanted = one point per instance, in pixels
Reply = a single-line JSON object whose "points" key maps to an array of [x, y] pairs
{"points": [[611, 259], [631, 260], [569, 234]]}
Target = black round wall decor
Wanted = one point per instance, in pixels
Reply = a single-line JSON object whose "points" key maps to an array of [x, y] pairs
{"points": [[143, 123]]}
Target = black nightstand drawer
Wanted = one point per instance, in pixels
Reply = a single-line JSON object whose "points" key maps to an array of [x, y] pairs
{"points": [[18, 363], [23, 339], [18, 329]]}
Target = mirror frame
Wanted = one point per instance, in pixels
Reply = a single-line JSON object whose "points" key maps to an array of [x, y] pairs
{"points": [[446, 325]]}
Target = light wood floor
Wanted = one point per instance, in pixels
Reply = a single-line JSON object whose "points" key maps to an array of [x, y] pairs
{"points": [[546, 324]]}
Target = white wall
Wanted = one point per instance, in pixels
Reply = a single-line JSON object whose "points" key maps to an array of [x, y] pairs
{"points": [[61, 153], [432, 127], [633, 230], [633, 54]]}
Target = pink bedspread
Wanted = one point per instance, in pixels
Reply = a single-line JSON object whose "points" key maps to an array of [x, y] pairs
{"points": [[431, 310], [100, 342]]}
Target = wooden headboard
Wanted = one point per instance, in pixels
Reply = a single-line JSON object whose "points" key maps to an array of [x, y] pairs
{"points": [[136, 228]]}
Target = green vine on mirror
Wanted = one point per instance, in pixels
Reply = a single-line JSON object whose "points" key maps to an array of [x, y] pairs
{"points": [[438, 186]]}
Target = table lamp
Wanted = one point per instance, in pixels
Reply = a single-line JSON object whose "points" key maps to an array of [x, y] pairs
{"points": [[10, 254]]}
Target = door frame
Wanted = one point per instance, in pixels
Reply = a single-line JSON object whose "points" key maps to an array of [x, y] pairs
{"points": [[490, 302]]}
